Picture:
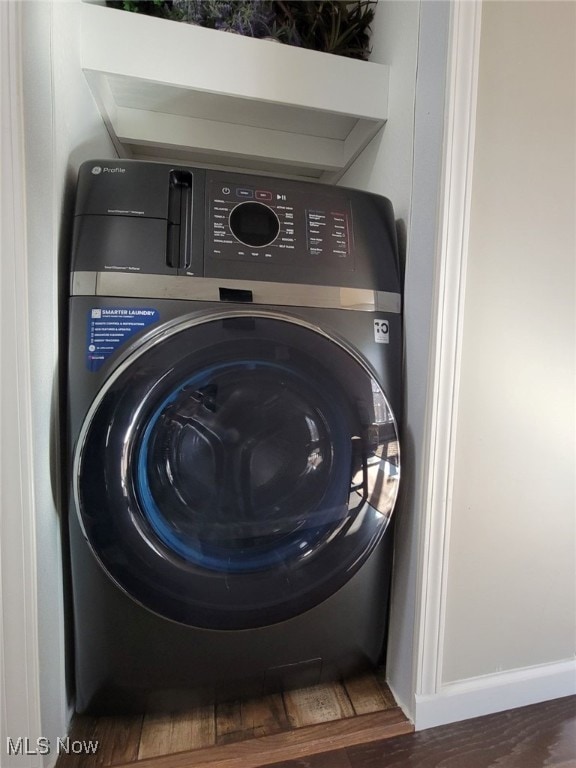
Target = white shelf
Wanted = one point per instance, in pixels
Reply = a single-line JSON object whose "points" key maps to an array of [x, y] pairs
{"points": [[169, 90]]}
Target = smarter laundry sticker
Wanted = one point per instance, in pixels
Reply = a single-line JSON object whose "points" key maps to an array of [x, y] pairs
{"points": [[109, 328], [381, 332]]}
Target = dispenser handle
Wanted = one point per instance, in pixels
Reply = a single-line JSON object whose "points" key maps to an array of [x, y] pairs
{"points": [[178, 245]]}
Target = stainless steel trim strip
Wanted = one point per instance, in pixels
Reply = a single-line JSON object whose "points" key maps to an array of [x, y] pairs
{"points": [[207, 289], [83, 283]]}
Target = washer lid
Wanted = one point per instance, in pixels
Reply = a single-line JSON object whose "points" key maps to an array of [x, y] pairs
{"points": [[236, 470]]}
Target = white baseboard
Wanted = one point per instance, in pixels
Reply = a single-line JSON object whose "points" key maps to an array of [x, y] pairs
{"points": [[495, 693]]}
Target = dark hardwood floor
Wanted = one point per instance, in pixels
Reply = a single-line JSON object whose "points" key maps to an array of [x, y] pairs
{"points": [[537, 736]]}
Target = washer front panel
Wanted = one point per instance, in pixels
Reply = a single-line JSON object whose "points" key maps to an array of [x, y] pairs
{"points": [[236, 470]]}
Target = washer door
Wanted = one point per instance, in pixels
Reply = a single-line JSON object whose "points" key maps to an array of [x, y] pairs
{"points": [[236, 470]]}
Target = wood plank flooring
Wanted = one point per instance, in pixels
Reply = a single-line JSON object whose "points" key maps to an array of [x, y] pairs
{"points": [[244, 734], [355, 724]]}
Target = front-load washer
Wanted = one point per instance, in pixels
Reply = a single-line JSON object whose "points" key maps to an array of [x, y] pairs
{"points": [[234, 372]]}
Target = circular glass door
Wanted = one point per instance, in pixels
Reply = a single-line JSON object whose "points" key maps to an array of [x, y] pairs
{"points": [[236, 470]]}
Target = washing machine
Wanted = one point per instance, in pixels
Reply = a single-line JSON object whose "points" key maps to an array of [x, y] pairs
{"points": [[234, 384]]}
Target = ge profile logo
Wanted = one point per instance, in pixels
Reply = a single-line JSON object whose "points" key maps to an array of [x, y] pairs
{"points": [[96, 170], [381, 332]]}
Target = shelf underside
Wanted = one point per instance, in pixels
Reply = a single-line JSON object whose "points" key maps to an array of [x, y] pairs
{"points": [[172, 91]]}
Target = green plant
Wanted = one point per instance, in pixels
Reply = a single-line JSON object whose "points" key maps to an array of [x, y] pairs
{"points": [[341, 27], [332, 26], [147, 7], [252, 18]]}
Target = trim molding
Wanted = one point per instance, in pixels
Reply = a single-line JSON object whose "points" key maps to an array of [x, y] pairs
{"points": [[496, 693], [19, 659], [446, 343]]}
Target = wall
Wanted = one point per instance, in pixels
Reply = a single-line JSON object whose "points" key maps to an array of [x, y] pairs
{"points": [[404, 163], [19, 688], [511, 569], [385, 166], [62, 128]]}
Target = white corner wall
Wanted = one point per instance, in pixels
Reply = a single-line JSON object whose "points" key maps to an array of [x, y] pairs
{"points": [[404, 163], [385, 166], [62, 128], [507, 627]]}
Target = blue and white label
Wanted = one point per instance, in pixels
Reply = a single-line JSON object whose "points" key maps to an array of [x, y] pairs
{"points": [[109, 329], [381, 332]]}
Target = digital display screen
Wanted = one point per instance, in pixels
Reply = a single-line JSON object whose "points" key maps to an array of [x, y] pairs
{"points": [[254, 224]]}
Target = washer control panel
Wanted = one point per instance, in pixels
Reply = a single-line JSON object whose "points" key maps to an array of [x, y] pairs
{"points": [[158, 219], [261, 220]]}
